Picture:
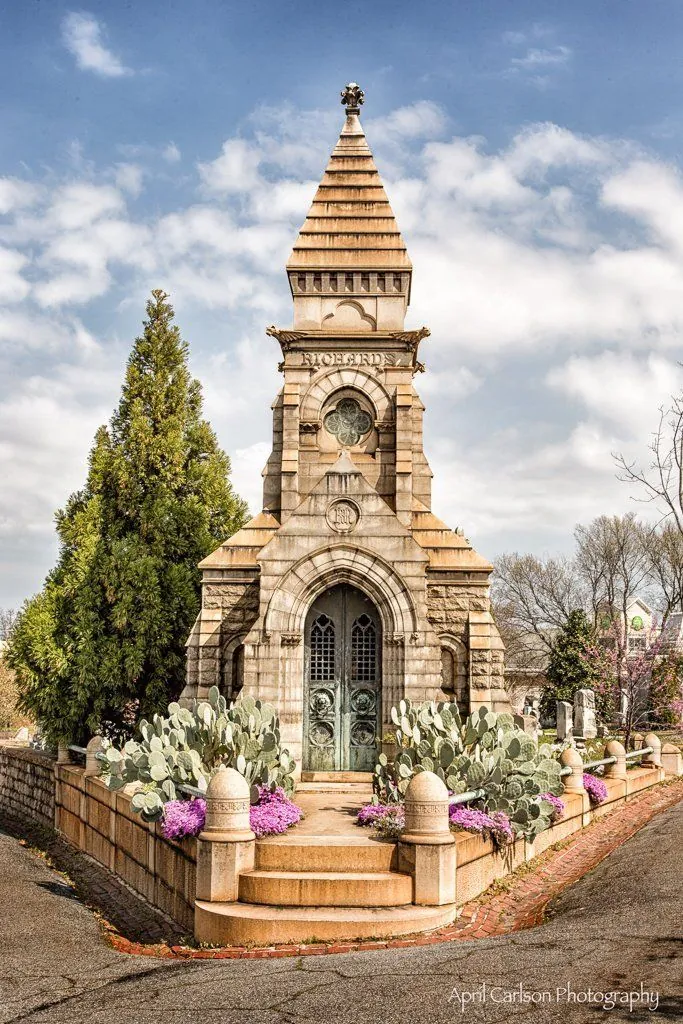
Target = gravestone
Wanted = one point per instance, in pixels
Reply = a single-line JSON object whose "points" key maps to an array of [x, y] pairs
{"points": [[584, 714], [528, 724], [565, 720]]}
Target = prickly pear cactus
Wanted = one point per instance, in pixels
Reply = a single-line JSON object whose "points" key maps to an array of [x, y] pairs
{"points": [[485, 752], [191, 743]]}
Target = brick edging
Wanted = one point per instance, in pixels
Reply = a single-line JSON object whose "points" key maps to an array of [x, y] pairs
{"points": [[521, 905]]}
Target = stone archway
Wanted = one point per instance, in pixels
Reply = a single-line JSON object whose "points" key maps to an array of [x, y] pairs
{"points": [[284, 624]]}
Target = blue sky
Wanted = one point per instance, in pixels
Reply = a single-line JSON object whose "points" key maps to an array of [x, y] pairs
{"points": [[531, 152]]}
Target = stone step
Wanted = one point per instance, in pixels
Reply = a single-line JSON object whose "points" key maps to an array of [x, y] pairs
{"points": [[325, 853], [325, 888], [365, 777], [247, 924], [358, 790]]}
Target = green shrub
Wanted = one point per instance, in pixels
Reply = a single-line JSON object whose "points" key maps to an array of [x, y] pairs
{"points": [[189, 745], [485, 752]]}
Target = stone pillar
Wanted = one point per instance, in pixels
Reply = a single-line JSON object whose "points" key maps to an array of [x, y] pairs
{"points": [[584, 714], [63, 754], [653, 760], [94, 747], [565, 720], [672, 759], [617, 770], [571, 758], [227, 845], [427, 847]]}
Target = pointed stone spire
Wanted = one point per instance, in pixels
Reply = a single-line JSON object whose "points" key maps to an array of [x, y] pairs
{"points": [[350, 243]]}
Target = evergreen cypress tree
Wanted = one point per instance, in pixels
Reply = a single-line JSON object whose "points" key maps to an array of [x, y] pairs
{"points": [[104, 642], [567, 669]]}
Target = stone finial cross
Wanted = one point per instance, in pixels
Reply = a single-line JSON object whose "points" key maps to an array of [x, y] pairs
{"points": [[352, 96]]}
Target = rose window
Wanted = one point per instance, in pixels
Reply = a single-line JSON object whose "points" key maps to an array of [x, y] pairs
{"points": [[348, 422]]}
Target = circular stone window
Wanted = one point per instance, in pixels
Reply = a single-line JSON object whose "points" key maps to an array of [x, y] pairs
{"points": [[348, 422]]}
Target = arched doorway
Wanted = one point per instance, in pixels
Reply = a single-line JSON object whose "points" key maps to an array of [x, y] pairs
{"points": [[343, 691]]}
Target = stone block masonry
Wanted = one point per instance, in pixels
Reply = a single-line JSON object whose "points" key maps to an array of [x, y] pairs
{"points": [[27, 784], [100, 823]]}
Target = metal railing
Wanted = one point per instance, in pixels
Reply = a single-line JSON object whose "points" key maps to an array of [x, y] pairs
{"points": [[191, 791], [463, 798], [478, 794], [613, 760]]}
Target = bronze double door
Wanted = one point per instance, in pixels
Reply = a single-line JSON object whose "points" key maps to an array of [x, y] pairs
{"points": [[342, 695]]}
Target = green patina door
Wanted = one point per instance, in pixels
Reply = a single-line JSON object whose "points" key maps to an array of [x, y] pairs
{"points": [[343, 682]]}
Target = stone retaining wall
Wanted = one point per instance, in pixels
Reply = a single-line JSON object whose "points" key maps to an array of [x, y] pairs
{"points": [[479, 864], [27, 783], [101, 822]]}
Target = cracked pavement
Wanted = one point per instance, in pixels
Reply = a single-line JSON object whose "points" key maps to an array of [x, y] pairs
{"points": [[620, 926]]}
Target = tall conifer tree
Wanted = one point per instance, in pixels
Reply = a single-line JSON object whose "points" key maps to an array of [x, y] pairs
{"points": [[104, 641], [568, 670]]}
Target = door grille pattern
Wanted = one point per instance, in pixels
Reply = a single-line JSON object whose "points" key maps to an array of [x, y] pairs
{"points": [[364, 650], [322, 650]]}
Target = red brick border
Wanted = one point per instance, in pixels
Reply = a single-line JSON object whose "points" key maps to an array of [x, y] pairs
{"points": [[521, 903]]}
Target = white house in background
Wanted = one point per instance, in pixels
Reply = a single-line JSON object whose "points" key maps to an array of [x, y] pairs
{"points": [[641, 625]]}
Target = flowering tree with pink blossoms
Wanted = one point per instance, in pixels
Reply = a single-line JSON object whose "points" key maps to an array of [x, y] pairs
{"points": [[635, 685]]}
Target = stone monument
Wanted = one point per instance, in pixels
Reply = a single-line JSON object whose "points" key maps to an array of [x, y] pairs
{"points": [[346, 593], [584, 714], [565, 720]]}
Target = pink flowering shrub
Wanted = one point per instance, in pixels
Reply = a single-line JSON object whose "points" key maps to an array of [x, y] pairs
{"points": [[272, 815], [388, 820], [495, 826], [371, 813], [595, 787], [557, 803], [183, 818]]}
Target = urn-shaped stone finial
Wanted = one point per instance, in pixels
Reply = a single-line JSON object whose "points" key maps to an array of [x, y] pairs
{"points": [[427, 810], [227, 807]]}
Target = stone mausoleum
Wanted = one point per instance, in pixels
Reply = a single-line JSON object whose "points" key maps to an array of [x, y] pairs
{"points": [[346, 593]]}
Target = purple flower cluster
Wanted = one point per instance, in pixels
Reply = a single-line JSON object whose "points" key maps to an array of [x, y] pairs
{"points": [[557, 804], [274, 813], [496, 826], [388, 820], [183, 818], [595, 787], [370, 814]]}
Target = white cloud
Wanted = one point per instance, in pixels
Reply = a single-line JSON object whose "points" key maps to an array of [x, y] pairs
{"points": [[129, 178], [82, 203], [13, 287], [235, 170], [420, 120], [620, 388], [15, 194], [82, 35], [536, 58], [171, 154]]}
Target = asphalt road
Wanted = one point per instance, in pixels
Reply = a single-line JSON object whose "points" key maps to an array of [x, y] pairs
{"points": [[618, 929]]}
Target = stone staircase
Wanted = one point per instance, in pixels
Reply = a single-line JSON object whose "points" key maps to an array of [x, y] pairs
{"points": [[324, 880], [320, 888]]}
